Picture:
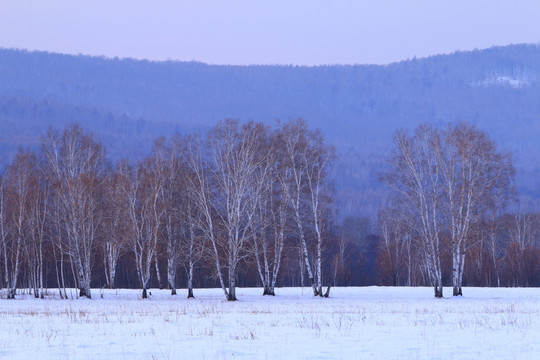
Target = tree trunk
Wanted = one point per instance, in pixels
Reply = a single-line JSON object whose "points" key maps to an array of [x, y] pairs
{"points": [[41, 295], [11, 293], [263, 275], [301, 263], [327, 293], [308, 267], [190, 279], [63, 277], [268, 290], [84, 284], [232, 293], [277, 258], [144, 293], [232, 284], [158, 274], [106, 269], [57, 273], [438, 291], [83, 292], [171, 275], [457, 272], [112, 275], [314, 287]]}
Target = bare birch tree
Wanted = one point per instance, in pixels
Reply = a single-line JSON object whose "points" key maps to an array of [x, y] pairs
{"points": [[185, 221], [76, 164], [448, 180], [270, 223], [306, 159], [20, 186], [235, 154], [114, 240], [142, 189], [475, 176], [37, 221], [416, 180], [201, 197], [174, 201]]}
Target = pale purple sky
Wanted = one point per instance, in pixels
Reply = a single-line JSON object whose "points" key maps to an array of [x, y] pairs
{"points": [[303, 32]]}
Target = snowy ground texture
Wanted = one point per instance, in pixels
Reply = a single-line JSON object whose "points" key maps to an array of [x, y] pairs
{"points": [[355, 323]]}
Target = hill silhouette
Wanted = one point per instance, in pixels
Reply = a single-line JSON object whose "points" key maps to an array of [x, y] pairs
{"points": [[127, 103]]}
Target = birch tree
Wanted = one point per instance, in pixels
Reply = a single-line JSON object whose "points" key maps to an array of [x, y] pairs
{"points": [[35, 248], [174, 201], [448, 181], [236, 156], [306, 159], [142, 189], [75, 170], [270, 223], [184, 240], [416, 180], [114, 241], [20, 186], [475, 176], [201, 197]]}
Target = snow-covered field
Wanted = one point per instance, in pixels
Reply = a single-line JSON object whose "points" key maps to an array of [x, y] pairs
{"points": [[355, 323]]}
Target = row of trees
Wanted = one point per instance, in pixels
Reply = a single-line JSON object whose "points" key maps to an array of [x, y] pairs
{"points": [[448, 185], [247, 202], [235, 198]]}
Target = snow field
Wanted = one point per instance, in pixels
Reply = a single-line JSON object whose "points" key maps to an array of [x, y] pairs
{"points": [[355, 323]]}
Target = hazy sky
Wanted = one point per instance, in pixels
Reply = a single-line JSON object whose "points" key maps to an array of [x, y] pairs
{"points": [[306, 32]]}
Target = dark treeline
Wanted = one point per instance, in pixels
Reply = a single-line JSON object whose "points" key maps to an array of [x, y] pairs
{"points": [[504, 251], [242, 206]]}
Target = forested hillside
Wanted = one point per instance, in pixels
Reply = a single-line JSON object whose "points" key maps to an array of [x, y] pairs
{"points": [[126, 103]]}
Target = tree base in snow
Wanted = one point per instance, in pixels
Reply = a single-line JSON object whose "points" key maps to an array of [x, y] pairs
{"points": [[84, 292], [457, 291], [11, 294], [327, 293], [268, 291]]}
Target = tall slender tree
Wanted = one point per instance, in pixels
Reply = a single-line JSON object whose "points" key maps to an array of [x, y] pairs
{"points": [[270, 222], [201, 197], [142, 189], [20, 186], [475, 176], [417, 184], [236, 157], [306, 160], [114, 240], [76, 166]]}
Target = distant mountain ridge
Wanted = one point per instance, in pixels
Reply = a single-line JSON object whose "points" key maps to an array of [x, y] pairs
{"points": [[128, 102]]}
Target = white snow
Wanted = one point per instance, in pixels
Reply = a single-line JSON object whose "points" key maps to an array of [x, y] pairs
{"points": [[514, 82], [355, 323]]}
